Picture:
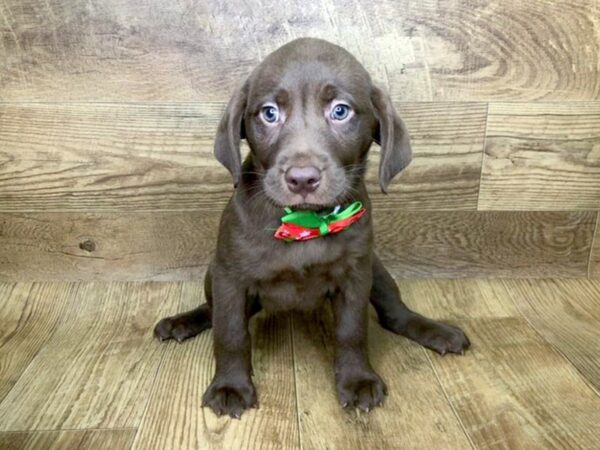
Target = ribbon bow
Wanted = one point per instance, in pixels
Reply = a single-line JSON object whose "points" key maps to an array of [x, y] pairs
{"points": [[305, 225]]}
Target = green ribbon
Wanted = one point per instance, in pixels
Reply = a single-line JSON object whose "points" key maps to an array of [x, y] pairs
{"points": [[310, 219]]}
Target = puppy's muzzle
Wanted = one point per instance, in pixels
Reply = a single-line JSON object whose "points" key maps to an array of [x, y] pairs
{"points": [[303, 180]]}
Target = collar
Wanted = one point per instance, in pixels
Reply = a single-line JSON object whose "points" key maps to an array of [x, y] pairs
{"points": [[306, 225]]}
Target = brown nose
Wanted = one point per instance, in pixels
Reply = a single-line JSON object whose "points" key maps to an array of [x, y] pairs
{"points": [[303, 180]]}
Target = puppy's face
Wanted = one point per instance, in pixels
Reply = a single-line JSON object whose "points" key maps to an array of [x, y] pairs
{"points": [[309, 121], [310, 113]]}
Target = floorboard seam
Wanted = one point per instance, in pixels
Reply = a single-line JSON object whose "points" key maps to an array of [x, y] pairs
{"points": [[154, 381], [589, 264], [156, 374], [59, 430], [485, 133], [47, 342], [439, 380], [291, 319], [580, 375]]}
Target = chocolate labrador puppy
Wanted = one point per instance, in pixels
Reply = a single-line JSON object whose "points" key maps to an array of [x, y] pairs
{"points": [[309, 113]]}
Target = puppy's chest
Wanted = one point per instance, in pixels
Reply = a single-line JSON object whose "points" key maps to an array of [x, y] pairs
{"points": [[300, 276]]}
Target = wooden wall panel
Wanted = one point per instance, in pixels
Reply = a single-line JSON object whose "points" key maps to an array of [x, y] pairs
{"points": [[91, 157], [178, 245], [493, 244], [112, 159], [151, 50], [447, 142], [188, 51], [109, 110], [509, 49], [143, 157], [106, 246], [541, 156]]}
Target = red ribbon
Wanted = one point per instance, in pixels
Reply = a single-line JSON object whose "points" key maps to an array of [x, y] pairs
{"points": [[292, 232]]}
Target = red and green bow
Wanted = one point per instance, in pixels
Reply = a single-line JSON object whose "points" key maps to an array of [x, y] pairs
{"points": [[305, 225]]}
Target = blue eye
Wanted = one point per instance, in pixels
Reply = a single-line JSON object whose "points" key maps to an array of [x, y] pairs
{"points": [[270, 113], [340, 112]]}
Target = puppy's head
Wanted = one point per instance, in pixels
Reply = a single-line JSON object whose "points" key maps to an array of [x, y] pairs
{"points": [[309, 112]]}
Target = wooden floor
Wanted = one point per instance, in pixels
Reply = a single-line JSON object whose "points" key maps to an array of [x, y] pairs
{"points": [[79, 369]]}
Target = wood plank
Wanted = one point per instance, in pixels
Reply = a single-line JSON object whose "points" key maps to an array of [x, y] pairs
{"points": [[447, 141], [186, 52], [512, 50], [415, 401], [542, 156], [30, 313], [99, 366], [512, 390], [110, 157], [566, 313], [175, 419], [462, 50], [71, 439], [594, 264], [178, 245], [123, 157], [474, 244], [106, 246]]}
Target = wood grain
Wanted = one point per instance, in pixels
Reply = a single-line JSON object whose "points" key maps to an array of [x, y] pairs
{"points": [[566, 313], [415, 401], [542, 156], [517, 387], [512, 389], [72, 439], [175, 419], [496, 244], [109, 246], [110, 157], [594, 263], [30, 313], [64, 50], [447, 141], [123, 157], [98, 368], [513, 50], [178, 245]]}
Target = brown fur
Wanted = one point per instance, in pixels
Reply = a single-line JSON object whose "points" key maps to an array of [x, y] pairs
{"points": [[252, 270]]}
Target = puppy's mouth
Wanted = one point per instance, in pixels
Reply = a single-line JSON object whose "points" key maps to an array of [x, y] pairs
{"points": [[317, 207], [312, 202], [330, 190]]}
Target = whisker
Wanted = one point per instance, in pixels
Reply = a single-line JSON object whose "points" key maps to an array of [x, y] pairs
{"points": [[250, 172]]}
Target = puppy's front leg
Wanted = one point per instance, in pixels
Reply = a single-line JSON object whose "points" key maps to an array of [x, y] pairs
{"points": [[357, 383], [231, 391]]}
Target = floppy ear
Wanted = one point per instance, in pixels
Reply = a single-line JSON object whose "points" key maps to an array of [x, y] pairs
{"points": [[392, 136], [230, 132]]}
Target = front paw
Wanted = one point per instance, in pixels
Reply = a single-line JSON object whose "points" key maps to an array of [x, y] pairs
{"points": [[231, 396], [363, 389], [440, 337], [171, 328], [183, 326]]}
